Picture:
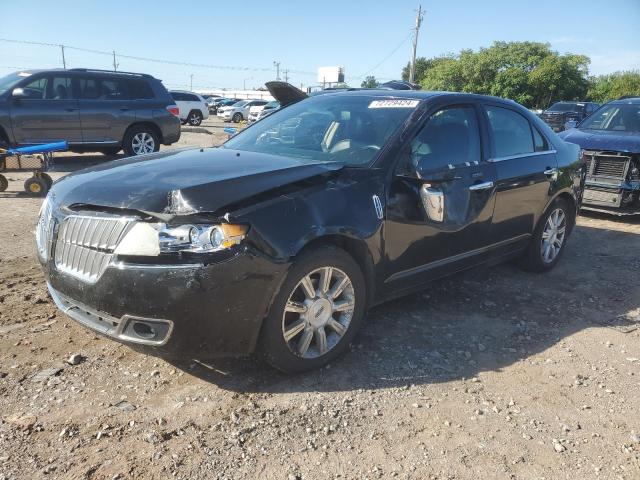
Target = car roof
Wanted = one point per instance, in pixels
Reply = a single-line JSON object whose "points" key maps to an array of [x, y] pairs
{"points": [[416, 94], [626, 101], [185, 91]]}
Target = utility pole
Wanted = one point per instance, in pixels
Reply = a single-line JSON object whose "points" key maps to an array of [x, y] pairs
{"points": [[64, 62], [286, 75], [277, 65], [191, 76], [412, 68], [115, 64]]}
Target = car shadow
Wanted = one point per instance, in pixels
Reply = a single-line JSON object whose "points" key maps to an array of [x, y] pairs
{"points": [[76, 162], [478, 321]]}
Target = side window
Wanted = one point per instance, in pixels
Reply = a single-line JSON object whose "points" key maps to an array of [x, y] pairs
{"points": [[139, 90], [539, 142], [191, 98], [178, 97], [60, 89], [36, 89], [112, 89], [511, 132], [89, 89], [450, 137]]}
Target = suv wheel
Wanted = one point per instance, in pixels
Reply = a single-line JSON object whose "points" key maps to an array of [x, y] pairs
{"points": [[237, 117], [316, 313], [141, 140], [549, 238], [194, 118]]}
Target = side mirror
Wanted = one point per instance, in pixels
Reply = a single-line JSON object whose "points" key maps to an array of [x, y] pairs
{"points": [[570, 124], [18, 93]]}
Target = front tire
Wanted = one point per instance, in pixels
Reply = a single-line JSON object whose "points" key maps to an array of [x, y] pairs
{"points": [[237, 117], [316, 313], [549, 238], [141, 140]]}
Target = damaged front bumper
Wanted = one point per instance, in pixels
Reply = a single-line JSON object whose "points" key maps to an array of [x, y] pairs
{"points": [[179, 311], [621, 198]]}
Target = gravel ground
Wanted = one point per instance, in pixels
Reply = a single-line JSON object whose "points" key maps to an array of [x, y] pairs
{"points": [[489, 374]]}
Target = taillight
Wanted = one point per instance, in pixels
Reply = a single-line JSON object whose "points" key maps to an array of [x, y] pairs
{"points": [[174, 110]]}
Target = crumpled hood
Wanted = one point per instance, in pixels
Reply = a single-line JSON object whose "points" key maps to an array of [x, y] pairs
{"points": [[183, 182], [603, 140]]}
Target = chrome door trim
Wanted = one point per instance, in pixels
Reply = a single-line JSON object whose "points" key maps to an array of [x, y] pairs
{"points": [[523, 155], [455, 258]]}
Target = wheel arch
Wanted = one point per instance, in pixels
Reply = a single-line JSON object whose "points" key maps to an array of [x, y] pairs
{"points": [[570, 200], [150, 125], [356, 248]]}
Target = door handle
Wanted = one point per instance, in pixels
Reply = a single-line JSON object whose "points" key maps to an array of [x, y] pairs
{"points": [[481, 186], [124, 109], [70, 109], [551, 172]]}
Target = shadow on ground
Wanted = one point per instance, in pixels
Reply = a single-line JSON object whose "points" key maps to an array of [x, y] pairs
{"points": [[481, 320]]}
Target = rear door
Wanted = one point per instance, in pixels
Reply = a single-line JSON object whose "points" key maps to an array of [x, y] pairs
{"points": [[106, 109], [526, 173], [439, 222], [48, 113]]}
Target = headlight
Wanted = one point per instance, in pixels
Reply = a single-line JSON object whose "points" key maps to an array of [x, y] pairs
{"points": [[152, 239]]}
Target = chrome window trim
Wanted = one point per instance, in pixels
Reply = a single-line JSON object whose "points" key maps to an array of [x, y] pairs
{"points": [[523, 155], [142, 266]]}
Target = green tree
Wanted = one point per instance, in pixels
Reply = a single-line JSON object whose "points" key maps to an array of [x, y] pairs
{"points": [[604, 88], [369, 82], [527, 72]]}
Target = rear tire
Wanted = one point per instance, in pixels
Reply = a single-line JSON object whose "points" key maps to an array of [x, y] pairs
{"points": [[36, 186], [549, 238], [140, 140], [316, 312], [194, 118]]}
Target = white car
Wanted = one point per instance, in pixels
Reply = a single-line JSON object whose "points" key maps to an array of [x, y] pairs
{"points": [[193, 108], [259, 112], [239, 111]]}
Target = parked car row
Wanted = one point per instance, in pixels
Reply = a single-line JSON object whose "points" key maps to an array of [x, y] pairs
{"points": [[258, 112], [93, 110], [238, 111]]}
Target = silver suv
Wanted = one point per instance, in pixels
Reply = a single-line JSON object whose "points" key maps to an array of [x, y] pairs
{"points": [[93, 110]]}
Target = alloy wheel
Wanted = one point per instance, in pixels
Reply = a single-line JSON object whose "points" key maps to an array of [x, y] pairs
{"points": [[194, 119], [553, 235], [318, 312], [142, 142]]}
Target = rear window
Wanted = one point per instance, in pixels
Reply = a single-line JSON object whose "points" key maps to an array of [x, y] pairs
{"points": [[96, 88], [139, 90]]}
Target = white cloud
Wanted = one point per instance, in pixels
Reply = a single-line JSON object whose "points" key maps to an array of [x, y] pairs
{"points": [[614, 61]]}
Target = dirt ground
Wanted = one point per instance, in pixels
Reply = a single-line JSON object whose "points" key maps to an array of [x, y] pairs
{"points": [[489, 374]]}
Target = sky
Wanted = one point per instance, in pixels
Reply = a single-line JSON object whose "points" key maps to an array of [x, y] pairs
{"points": [[366, 38]]}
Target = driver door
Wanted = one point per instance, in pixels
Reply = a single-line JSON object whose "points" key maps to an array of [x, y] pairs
{"points": [[441, 199]]}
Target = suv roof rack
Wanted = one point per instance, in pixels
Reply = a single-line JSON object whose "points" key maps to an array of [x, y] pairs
{"points": [[118, 72]]}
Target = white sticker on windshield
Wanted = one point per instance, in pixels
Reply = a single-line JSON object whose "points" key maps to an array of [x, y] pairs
{"points": [[394, 103]]}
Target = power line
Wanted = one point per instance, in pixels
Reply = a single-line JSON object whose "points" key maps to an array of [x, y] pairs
{"points": [[387, 57], [152, 60]]}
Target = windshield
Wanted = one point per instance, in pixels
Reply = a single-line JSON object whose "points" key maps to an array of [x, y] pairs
{"points": [[241, 104], [566, 107], [10, 80], [619, 118], [349, 129], [273, 104]]}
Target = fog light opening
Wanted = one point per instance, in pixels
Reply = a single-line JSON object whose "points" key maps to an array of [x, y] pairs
{"points": [[144, 330]]}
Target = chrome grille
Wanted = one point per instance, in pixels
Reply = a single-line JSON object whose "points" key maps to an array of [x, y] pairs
{"points": [[85, 244], [44, 230]]}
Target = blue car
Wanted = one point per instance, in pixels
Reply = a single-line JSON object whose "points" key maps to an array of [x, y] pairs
{"points": [[610, 146]]}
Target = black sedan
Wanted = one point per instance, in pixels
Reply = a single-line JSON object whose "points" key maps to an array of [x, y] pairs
{"points": [[280, 240]]}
